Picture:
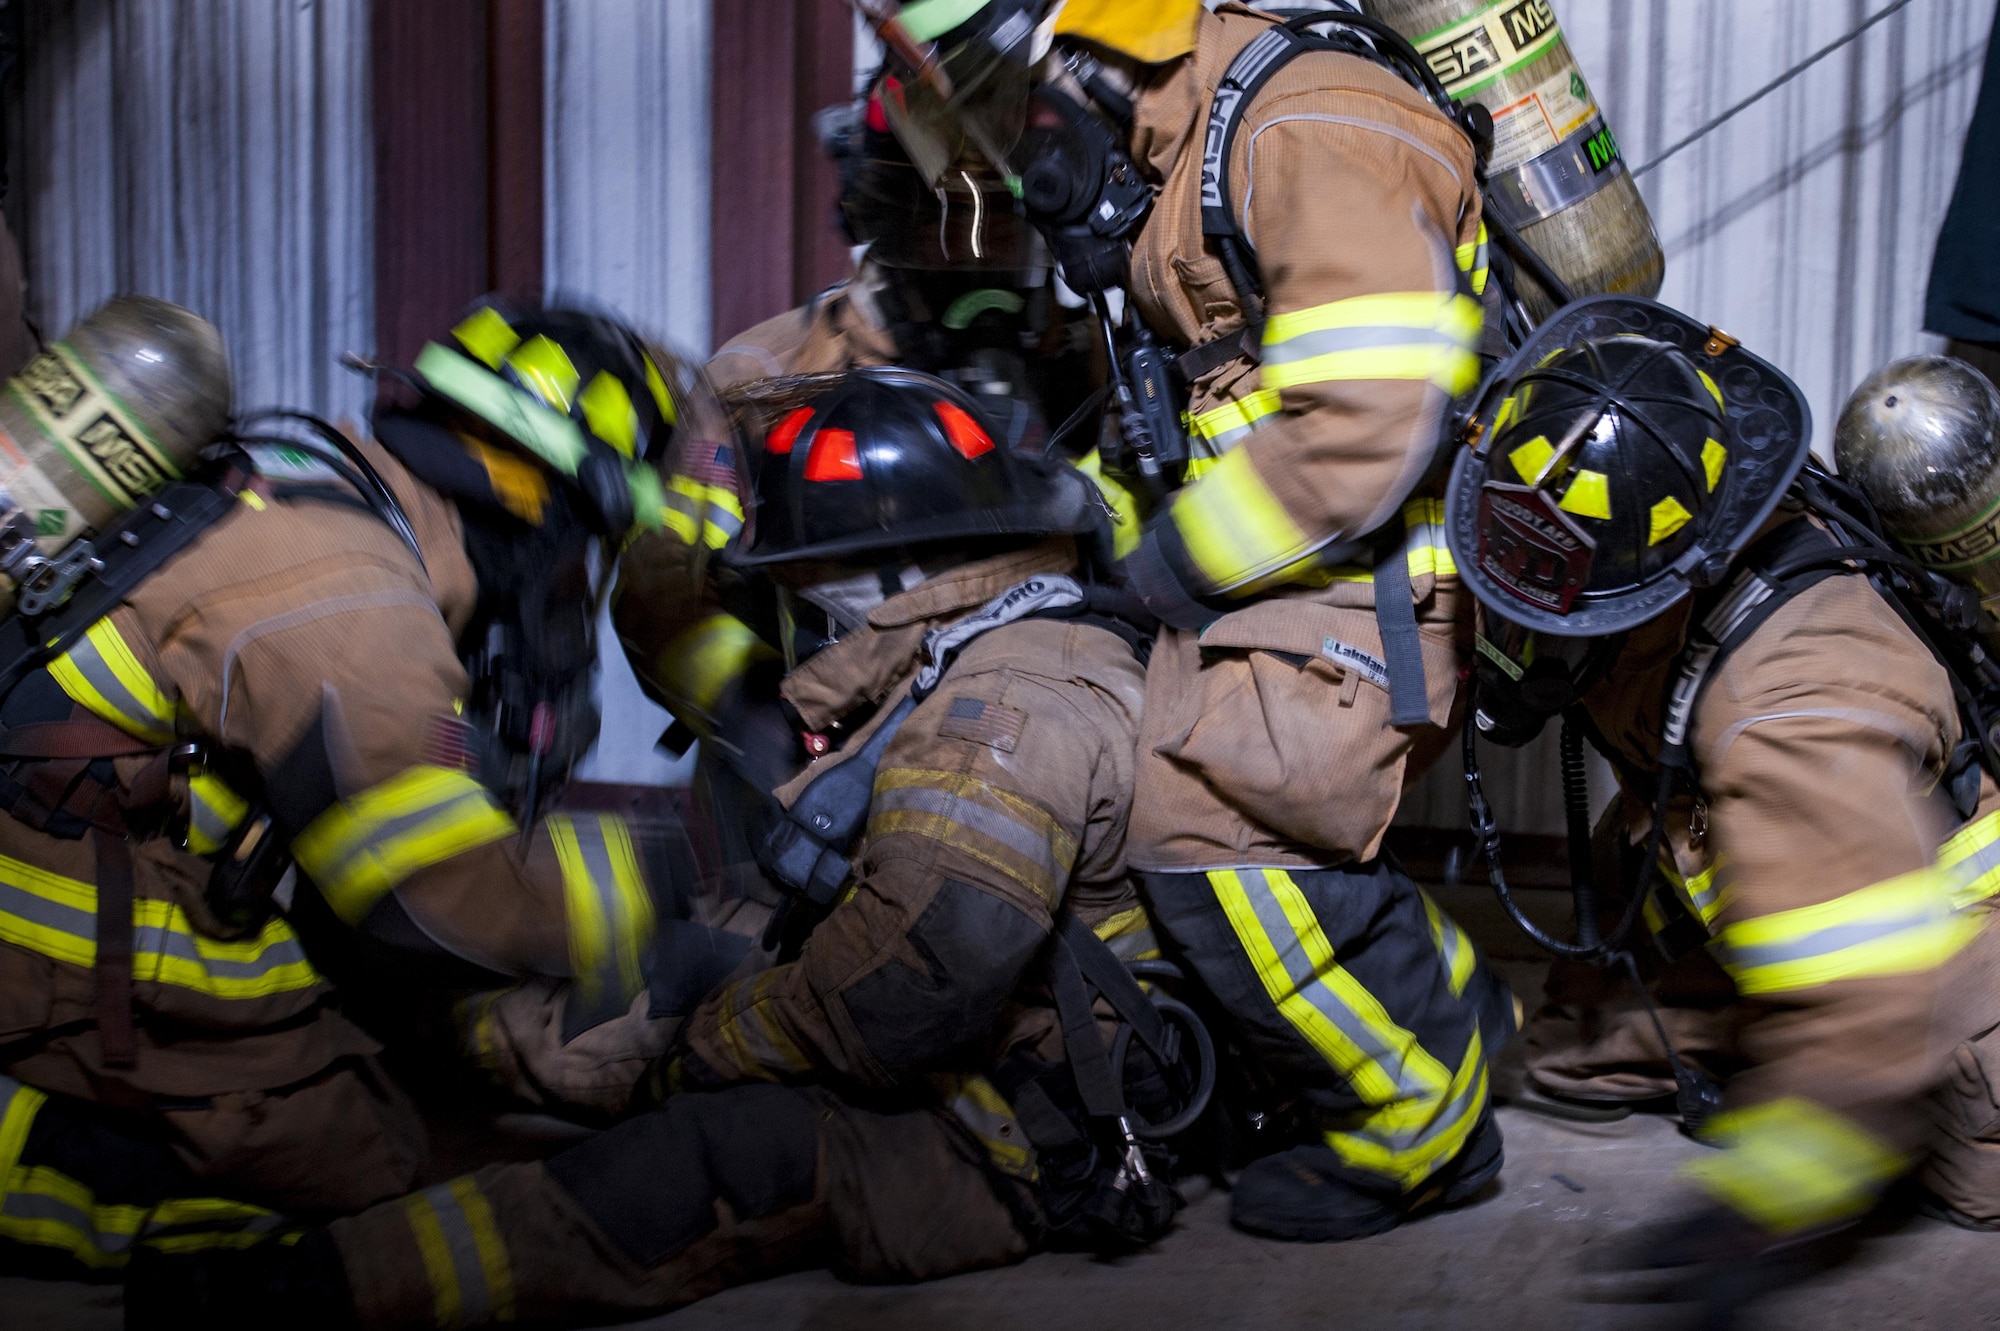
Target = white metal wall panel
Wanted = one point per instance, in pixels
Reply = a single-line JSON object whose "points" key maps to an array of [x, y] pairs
{"points": [[1805, 226], [211, 152], [628, 135], [627, 97]]}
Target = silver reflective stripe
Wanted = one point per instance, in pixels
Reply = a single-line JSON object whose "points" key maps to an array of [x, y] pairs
{"points": [[139, 718], [476, 1299], [1285, 941], [151, 938], [620, 929], [1826, 942], [1017, 837], [22, 904], [1468, 1100], [1326, 341], [697, 510], [42, 1207], [380, 833]]}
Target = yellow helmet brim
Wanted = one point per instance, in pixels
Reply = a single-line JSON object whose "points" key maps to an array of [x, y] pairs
{"points": [[1149, 31]]}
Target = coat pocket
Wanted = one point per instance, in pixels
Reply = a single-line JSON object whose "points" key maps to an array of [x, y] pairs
{"points": [[1292, 722]]}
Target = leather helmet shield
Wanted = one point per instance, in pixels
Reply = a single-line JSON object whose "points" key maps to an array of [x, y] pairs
{"points": [[889, 457], [1647, 557], [1531, 547]]}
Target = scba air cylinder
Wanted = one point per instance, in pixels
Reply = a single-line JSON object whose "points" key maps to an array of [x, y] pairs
{"points": [[1555, 172], [104, 419]]}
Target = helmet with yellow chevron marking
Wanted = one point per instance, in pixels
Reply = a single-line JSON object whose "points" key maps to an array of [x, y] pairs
{"points": [[541, 394], [1623, 457]]}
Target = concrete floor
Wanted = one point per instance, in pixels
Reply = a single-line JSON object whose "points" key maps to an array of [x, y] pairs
{"points": [[1506, 1262]]}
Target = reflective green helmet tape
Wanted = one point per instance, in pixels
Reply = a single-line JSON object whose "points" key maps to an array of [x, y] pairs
{"points": [[928, 20], [649, 498], [975, 303], [555, 439]]}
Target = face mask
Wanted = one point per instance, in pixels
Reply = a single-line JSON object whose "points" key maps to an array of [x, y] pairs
{"points": [[1525, 678]]}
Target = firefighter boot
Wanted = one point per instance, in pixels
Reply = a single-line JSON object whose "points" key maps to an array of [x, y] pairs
{"points": [[1310, 1195]]}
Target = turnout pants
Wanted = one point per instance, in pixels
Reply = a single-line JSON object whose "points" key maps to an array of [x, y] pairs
{"points": [[713, 1190], [1354, 987], [82, 1185]]}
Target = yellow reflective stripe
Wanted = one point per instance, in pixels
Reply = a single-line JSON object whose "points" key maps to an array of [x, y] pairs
{"points": [[985, 1113], [42, 1206], [57, 917], [605, 901], [361, 848], [103, 674], [1233, 527], [1424, 546], [491, 1248], [1970, 860], [1129, 935], [751, 1030], [1294, 959], [1452, 945], [1897, 927], [1792, 1165], [608, 411], [1390, 335], [547, 369], [214, 810], [1125, 522], [692, 510], [1411, 1140], [447, 1306], [996, 827], [700, 663], [19, 1104], [1473, 261], [1226, 426]]}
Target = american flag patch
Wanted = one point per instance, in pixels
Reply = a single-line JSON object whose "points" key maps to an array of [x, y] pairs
{"points": [[448, 743], [990, 723]]}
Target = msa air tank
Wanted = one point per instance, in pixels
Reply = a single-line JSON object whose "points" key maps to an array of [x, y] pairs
{"points": [[1555, 172], [98, 423]]}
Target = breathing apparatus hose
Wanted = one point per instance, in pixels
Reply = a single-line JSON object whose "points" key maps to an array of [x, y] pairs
{"points": [[1486, 838], [1696, 1095]]}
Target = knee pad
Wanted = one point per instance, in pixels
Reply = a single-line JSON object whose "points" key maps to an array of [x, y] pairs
{"points": [[652, 1182]]}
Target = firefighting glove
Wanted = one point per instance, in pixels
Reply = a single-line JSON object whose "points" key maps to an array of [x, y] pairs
{"points": [[1711, 1260]]}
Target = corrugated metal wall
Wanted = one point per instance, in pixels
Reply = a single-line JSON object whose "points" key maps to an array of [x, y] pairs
{"points": [[212, 152], [627, 96], [1805, 226]]}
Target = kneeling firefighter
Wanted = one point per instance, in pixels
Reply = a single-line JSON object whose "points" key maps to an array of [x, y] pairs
{"points": [[956, 1066], [1298, 230], [1779, 689], [347, 658]]}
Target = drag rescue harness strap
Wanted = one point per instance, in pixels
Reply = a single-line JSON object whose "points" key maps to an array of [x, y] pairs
{"points": [[807, 854]]}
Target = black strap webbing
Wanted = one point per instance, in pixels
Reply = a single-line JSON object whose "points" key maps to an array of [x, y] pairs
{"points": [[114, 950], [1402, 645]]}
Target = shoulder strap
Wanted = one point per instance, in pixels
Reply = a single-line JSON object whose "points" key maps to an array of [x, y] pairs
{"points": [[125, 555], [1727, 621]]}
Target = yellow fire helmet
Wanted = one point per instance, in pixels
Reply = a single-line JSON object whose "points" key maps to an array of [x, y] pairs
{"points": [[1149, 31]]}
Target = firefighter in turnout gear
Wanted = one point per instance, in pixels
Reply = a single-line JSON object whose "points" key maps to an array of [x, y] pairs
{"points": [[1314, 622], [357, 659], [1649, 548], [938, 1079]]}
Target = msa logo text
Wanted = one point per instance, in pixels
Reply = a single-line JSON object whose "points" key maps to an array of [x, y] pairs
{"points": [[1527, 21]]}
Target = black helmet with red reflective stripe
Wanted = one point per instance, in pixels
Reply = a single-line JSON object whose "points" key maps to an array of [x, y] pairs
{"points": [[887, 458]]}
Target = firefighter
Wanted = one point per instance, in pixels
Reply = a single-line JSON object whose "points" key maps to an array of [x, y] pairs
{"points": [[901, 1099], [351, 658], [1314, 280], [1653, 557]]}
